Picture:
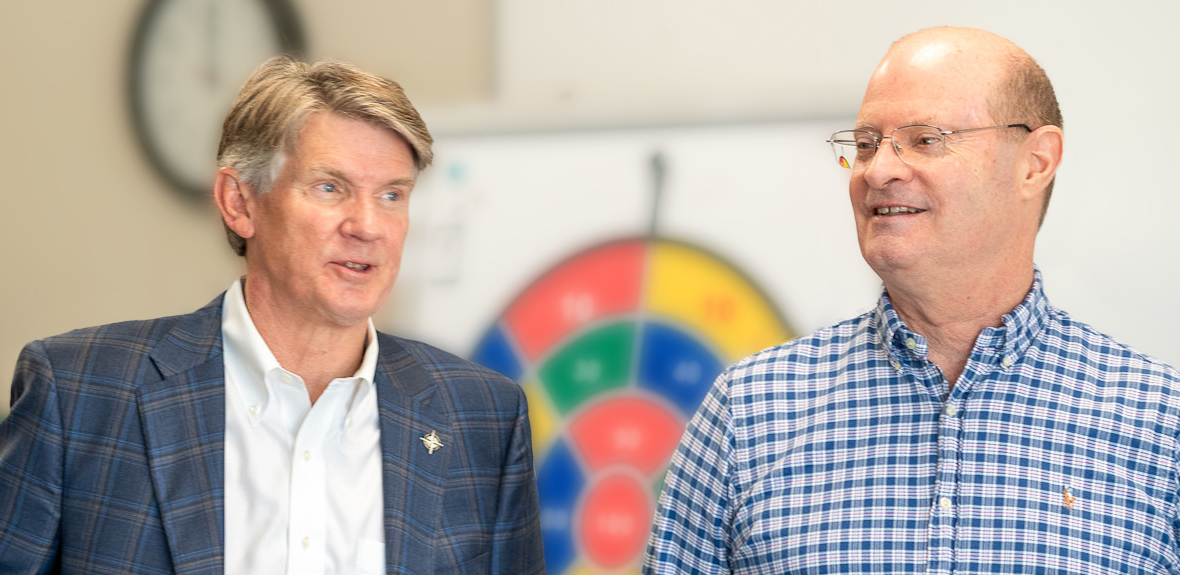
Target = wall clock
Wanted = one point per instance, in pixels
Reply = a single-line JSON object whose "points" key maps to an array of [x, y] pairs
{"points": [[188, 61]]}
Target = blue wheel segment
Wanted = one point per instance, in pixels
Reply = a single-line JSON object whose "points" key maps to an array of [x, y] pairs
{"points": [[494, 352], [559, 482], [676, 366]]}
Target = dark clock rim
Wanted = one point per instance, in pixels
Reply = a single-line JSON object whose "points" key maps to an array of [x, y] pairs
{"points": [[291, 41]]}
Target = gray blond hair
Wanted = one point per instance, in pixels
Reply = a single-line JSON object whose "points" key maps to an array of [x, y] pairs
{"points": [[263, 125]]}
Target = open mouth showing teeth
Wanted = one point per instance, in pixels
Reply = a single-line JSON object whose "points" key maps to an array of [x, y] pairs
{"points": [[892, 210], [356, 266]]}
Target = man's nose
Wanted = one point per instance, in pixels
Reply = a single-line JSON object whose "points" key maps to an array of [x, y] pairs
{"points": [[362, 219], [886, 165]]}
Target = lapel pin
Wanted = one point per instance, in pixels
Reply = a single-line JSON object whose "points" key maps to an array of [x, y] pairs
{"points": [[431, 441], [1067, 498]]}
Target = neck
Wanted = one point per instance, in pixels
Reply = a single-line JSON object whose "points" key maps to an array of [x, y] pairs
{"points": [[950, 310], [318, 352]]}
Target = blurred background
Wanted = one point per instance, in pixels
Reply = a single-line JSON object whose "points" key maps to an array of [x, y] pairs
{"points": [[564, 128]]}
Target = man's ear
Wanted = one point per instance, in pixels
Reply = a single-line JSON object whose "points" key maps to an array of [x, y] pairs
{"points": [[231, 195], [1043, 150]]}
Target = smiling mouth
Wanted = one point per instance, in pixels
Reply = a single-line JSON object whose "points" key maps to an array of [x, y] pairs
{"points": [[895, 210], [356, 267]]}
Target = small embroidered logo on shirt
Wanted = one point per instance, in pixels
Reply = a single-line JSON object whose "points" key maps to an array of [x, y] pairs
{"points": [[431, 441], [1067, 498]]}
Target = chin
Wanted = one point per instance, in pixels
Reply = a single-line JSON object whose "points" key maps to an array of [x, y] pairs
{"points": [[348, 313], [348, 318], [888, 258]]}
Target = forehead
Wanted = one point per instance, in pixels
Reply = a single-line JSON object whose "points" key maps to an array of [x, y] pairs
{"points": [[334, 135], [937, 81]]}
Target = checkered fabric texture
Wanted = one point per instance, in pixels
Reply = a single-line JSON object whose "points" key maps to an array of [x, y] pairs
{"points": [[847, 452]]}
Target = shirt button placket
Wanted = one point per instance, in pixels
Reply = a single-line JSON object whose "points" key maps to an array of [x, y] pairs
{"points": [[944, 510], [307, 542]]}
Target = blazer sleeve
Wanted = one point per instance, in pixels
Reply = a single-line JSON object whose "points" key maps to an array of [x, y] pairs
{"points": [[31, 452], [518, 545]]}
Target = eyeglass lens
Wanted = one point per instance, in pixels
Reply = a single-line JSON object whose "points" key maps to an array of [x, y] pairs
{"points": [[914, 144]]}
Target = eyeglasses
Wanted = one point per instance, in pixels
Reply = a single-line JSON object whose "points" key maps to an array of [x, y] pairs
{"points": [[915, 145]]}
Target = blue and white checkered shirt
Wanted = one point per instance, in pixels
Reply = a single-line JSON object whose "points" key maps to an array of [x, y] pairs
{"points": [[847, 452]]}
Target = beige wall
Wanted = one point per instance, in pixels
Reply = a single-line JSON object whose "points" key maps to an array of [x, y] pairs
{"points": [[90, 233]]}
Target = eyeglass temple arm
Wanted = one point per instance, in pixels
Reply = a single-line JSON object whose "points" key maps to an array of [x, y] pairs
{"points": [[949, 132]]}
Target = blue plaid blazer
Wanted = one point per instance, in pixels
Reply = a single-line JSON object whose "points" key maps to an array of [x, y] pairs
{"points": [[112, 459]]}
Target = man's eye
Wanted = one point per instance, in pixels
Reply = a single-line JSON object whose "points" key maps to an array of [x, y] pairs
{"points": [[329, 188], [927, 140], [393, 196]]}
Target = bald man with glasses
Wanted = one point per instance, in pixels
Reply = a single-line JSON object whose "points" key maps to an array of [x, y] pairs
{"points": [[964, 425]]}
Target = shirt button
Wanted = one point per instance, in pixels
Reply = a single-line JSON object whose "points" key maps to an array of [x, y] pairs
{"points": [[286, 378], [896, 364], [255, 410], [306, 542], [945, 503], [911, 342], [1007, 361], [306, 455], [348, 422], [952, 410]]}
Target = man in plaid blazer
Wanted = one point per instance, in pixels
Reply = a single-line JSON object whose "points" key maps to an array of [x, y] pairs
{"points": [[150, 446]]}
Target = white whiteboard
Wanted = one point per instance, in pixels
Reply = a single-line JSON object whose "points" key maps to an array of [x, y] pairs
{"points": [[495, 212]]}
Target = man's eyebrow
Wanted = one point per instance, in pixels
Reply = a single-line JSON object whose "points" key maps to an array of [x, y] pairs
{"points": [[336, 174], [924, 121], [329, 171], [407, 181]]}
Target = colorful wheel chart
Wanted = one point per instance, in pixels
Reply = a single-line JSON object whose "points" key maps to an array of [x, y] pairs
{"points": [[615, 348]]}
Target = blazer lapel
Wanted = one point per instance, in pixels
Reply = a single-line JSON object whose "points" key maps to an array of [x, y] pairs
{"points": [[183, 417], [412, 415]]}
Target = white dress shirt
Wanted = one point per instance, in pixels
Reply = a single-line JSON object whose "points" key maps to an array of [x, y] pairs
{"points": [[303, 489]]}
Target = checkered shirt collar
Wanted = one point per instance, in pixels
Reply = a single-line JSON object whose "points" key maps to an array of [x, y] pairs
{"points": [[1021, 326]]}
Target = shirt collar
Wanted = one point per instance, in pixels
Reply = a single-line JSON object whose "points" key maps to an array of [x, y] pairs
{"points": [[248, 360], [1007, 343]]}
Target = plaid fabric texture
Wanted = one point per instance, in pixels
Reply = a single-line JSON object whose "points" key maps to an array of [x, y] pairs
{"points": [[111, 461], [847, 452]]}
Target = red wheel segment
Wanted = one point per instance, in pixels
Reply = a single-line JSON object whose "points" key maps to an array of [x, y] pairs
{"points": [[630, 430], [596, 284], [615, 521]]}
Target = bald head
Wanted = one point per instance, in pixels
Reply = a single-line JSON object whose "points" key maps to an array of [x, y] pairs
{"points": [[975, 65], [948, 50], [948, 39], [1017, 88]]}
